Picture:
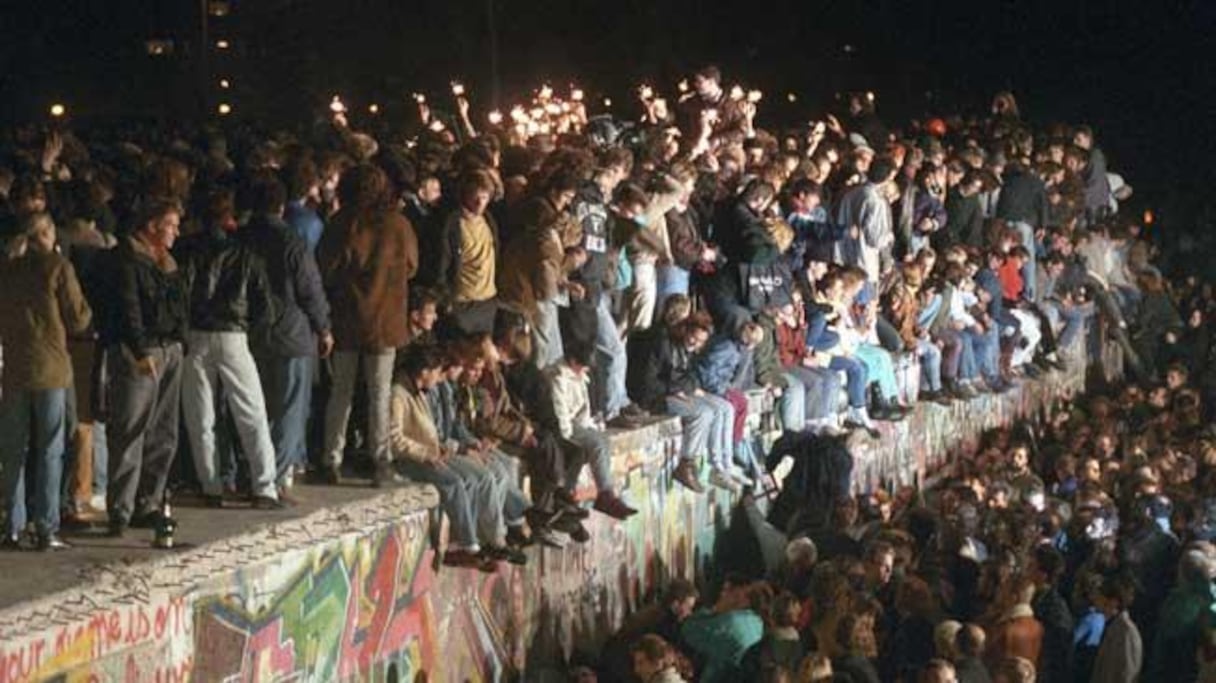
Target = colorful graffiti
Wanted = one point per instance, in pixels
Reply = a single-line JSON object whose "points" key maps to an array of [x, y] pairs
{"points": [[365, 601], [143, 642], [372, 606]]}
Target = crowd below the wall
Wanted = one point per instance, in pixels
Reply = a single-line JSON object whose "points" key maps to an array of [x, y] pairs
{"points": [[461, 305]]}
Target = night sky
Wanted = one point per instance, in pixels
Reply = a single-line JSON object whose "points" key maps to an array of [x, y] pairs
{"points": [[1140, 72]]}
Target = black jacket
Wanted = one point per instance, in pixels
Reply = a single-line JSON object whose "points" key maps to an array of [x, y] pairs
{"points": [[1023, 198], [964, 221], [150, 306], [597, 273], [301, 311], [1056, 661], [226, 285], [428, 225]]}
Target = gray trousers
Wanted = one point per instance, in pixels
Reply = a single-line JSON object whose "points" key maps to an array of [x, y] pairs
{"points": [[224, 357], [378, 375], [141, 430]]}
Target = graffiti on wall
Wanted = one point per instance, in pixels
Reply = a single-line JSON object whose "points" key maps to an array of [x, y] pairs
{"points": [[373, 605], [139, 642]]}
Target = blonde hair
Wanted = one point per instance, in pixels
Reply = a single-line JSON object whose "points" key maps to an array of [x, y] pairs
{"points": [[815, 668]]}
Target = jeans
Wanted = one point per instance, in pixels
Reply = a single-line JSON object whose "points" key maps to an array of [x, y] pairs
{"points": [[820, 387], [672, 279], [881, 369], [952, 353], [101, 458], [225, 357], [287, 384], [506, 469], [856, 378], [610, 362], [1072, 318], [589, 447], [487, 494], [547, 334], [930, 364], [708, 422], [792, 404], [32, 437], [642, 295], [378, 375], [985, 349], [458, 503], [141, 431]]}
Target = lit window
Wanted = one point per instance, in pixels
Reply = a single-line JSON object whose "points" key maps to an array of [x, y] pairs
{"points": [[225, 83], [221, 44], [224, 109], [159, 47]]}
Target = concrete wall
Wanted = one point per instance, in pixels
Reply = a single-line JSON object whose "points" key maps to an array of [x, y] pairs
{"points": [[354, 593]]}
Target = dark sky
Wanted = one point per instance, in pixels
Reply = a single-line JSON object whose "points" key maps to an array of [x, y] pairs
{"points": [[1139, 71]]}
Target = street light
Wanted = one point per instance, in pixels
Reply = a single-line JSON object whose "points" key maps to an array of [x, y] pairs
{"points": [[224, 109], [58, 110], [225, 83]]}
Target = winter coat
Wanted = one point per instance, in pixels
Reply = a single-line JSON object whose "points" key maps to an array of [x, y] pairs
{"points": [[366, 261], [1016, 634], [301, 310], [41, 305], [1053, 614], [226, 284], [1121, 653], [1023, 198], [149, 307], [964, 221], [412, 431], [718, 364]]}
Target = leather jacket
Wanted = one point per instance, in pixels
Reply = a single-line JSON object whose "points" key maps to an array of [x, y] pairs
{"points": [[226, 284]]}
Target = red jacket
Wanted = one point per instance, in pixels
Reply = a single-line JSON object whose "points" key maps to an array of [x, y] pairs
{"points": [[1010, 275], [791, 344]]}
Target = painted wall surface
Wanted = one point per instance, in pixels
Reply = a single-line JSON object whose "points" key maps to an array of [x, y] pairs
{"points": [[355, 593]]}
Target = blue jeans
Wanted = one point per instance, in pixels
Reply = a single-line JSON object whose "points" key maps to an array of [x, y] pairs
{"points": [[506, 469], [792, 404], [930, 364], [32, 425], [856, 378], [882, 370], [547, 335], [821, 389], [708, 426], [287, 383], [487, 494], [101, 457], [460, 505], [986, 348], [610, 361], [591, 447]]}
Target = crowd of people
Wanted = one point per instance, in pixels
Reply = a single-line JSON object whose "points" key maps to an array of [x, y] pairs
{"points": [[489, 303]]}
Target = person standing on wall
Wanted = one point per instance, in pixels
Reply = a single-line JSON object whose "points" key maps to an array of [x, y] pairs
{"points": [[367, 256], [40, 307], [143, 341]]}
